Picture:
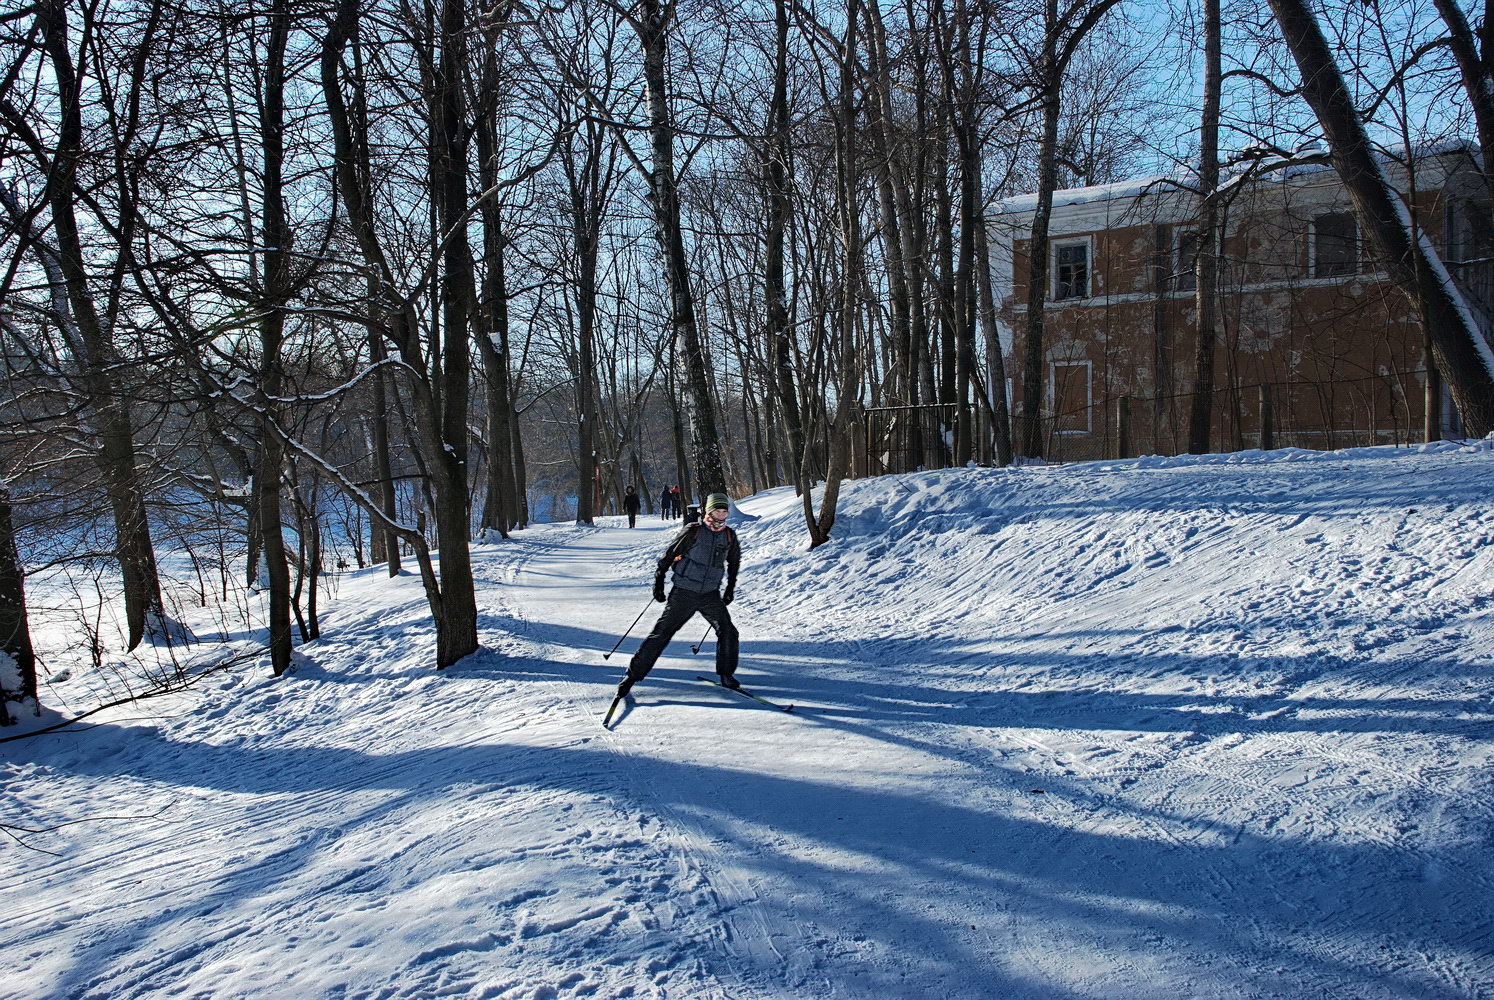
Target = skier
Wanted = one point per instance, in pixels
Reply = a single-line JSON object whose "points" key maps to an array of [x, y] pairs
{"points": [[631, 502], [701, 556]]}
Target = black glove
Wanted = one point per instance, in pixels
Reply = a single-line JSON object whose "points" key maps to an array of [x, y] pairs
{"points": [[729, 596], [659, 591]]}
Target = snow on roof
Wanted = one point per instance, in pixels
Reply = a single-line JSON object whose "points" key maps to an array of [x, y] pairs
{"points": [[1130, 189], [1267, 165]]}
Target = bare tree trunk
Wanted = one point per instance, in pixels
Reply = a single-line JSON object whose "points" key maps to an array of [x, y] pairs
{"points": [[653, 23], [389, 547], [277, 286], [1463, 356], [780, 213], [587, 430], [943, 257], [457, 634], [681, 458], [383, 463], [521, 473], [1060, 40], [500, 512], [96, 358], [435, 403], [849, 211], [903, 271], [589, 183], [17, 682], [964, 118], [1205, 263], [1030, 425], [995, 394]]}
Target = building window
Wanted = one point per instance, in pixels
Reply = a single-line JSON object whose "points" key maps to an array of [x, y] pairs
{"points": [[1470, 232], [1070, 396], [1071, 271], [1335, 245], [1185, 255]]}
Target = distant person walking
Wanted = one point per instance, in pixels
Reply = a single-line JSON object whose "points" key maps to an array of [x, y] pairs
{"points": [[631, 502], [677, 502], [666, 503], [702, 556]]}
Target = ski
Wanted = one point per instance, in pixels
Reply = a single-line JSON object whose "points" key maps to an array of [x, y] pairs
{"points": [[745, 694], [610, 709]]}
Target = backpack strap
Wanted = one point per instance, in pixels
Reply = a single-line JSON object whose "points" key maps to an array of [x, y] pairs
{"points": [[690, 534]]}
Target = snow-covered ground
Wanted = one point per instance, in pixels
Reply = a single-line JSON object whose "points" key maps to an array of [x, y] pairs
{"points": [[1217, 727]]}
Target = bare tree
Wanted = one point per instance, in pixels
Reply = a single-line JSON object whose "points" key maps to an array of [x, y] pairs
{"points": [[278, 285], [779, 210], [1462, 354], [501, 509], [87, 329], [843, 339], [591, 175], [653, 19], [1474, 53], [1206, 237], [1062, 32], [439, 392]]}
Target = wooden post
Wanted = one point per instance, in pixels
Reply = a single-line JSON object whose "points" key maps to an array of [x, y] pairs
{"points": [[1123, 427], [1268, 419]]}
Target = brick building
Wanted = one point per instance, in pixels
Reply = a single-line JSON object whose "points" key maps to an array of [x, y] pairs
{"points": [[1310, 332]]}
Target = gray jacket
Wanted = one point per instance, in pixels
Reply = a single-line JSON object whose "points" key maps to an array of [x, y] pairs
{"points": [[701, 558]]}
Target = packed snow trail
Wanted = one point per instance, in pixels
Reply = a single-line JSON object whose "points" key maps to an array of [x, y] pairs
{"points": [[1211, 727]]}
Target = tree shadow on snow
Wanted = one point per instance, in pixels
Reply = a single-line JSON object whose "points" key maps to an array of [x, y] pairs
{"points": [[910, 682], [939, 897]]}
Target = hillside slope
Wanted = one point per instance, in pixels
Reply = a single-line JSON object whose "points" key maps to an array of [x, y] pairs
{"points": [[1215, 727]]}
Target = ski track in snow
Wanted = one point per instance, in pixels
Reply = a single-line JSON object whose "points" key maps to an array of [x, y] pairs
{"points": [[1161, 728]]}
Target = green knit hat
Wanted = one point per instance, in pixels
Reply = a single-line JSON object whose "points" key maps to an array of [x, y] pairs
{"points": [[717, 501]]}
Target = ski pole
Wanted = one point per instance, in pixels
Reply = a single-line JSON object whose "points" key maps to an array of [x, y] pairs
{"points": [[608, 655], [696, 648]]}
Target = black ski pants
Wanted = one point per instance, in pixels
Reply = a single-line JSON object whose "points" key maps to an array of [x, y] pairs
{"points": [[679, 609]]}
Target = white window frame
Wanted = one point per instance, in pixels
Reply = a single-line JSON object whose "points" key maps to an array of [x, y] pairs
{"points": [[1088, 242], [1089, 394], [1312, 248]]}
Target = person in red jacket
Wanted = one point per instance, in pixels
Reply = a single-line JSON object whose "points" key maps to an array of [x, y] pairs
{"points": [[702, 557]]}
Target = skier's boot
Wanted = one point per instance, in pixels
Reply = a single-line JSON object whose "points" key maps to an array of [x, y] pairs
{"points": [[728, 681], [625, 686]]}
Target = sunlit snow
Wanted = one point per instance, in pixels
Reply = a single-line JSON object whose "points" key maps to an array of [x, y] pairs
{"points": [[1215, 727]]}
